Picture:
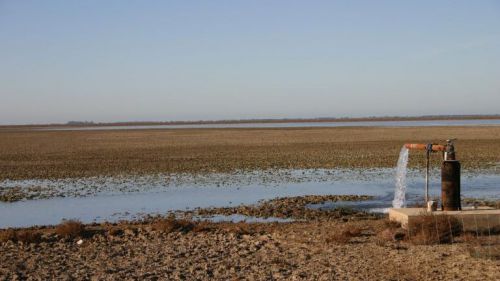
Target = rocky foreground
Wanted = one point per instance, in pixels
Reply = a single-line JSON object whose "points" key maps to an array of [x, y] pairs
{"points": [[295, 251], [338, 245]]}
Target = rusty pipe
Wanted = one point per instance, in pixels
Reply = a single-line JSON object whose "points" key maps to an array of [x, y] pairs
{"points": [[421, 146], [450, 186]]}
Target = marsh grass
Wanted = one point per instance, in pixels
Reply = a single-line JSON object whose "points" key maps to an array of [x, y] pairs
{"points": [[169, 224], [240, 228], [485, 245], [22, 235], [389, 232], [70, 229], [345, 234], [429, 229], [115, 231]]}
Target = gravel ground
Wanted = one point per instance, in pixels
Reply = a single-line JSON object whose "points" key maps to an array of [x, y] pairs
{"points": [[319, 245], [292, 251]]}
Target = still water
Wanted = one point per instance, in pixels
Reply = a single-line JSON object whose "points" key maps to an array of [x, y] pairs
{"points": [[161, 197]]}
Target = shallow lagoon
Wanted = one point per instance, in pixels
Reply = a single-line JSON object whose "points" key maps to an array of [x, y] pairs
{"points": [[114, 199]]}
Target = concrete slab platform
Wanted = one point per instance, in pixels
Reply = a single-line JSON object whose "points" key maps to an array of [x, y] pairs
{"points": [[479, 219]]}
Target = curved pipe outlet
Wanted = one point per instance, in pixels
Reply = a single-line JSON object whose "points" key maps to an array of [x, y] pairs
{"points": [[421, 146]]}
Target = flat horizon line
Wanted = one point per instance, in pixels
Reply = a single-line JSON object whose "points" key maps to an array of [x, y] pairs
{"points": [[262, 120]]}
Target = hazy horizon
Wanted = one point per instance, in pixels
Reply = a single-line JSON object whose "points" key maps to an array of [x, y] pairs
{"points": [[257, 120], [174, 61]]}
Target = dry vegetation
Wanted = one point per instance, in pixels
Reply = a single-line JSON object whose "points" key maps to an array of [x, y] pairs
{"points": [[179, 249], [434, 229], [170, 224], [70, 229], [23, 235], [43, 154], [345, 234], [341, 244]]}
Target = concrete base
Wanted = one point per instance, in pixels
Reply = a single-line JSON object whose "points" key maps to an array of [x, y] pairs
{"points": [[480, 219]]}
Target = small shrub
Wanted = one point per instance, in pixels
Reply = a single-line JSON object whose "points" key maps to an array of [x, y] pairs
{"points": [[202, 227], [170, 224], [392, 224], [70, 229], [240, 228], [115, 231], [481, 246], [25, 236], [8, 235], [345, 235], [434, 229], [390, 234], [468, 237], [485, 252], [29, 236]]}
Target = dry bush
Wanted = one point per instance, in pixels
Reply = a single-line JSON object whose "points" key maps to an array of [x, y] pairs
{"points": [[170, 224], [485, 252], [433, 229], [8, 235], [345, 235], [202, 227], [70, 229], [25, 236], [29, 236], [115, 231], [482, 246], [392, 224], [240, 228], [390, 234]]}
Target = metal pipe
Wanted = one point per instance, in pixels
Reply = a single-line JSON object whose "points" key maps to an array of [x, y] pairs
{"points": [[449, 153], [427, 177], [421, 146], [450, 173], [450, 185]]}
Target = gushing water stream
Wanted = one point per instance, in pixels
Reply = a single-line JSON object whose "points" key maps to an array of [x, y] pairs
{"points": [[400, 191]]}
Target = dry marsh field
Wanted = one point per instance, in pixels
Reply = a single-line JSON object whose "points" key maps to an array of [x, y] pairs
{"points": [[62, 154]]}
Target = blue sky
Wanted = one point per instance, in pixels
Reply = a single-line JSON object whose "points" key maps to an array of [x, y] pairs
{"points": [[189, 60]]}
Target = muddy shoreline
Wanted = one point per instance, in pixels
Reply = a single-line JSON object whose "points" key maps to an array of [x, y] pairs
{"points": [[339, 244]]}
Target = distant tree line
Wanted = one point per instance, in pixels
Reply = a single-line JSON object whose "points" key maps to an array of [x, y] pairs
{"points": [[286, 120], [80, 123]]}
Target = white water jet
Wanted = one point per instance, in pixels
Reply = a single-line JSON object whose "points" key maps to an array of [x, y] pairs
{"points": [[400, 191]]}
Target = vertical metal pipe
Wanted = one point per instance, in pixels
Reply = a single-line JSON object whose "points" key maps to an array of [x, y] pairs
{"points": [[450, 185], [427, 178]]}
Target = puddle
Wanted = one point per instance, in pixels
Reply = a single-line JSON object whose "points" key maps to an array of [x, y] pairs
{"points": [[113, 200]]}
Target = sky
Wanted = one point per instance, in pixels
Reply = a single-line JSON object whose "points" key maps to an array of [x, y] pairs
{"points": [[109, 61]]}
